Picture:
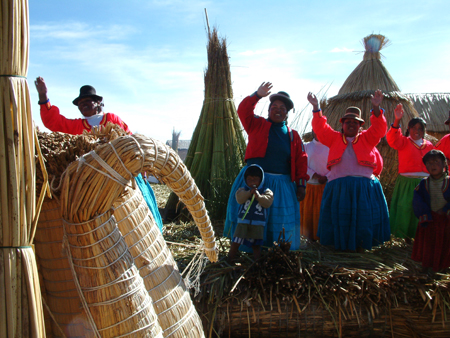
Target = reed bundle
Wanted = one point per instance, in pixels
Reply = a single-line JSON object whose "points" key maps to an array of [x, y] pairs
{"points": [[21, 312], [177, 315], [99, 256], [367, 77], [217, 149], [321, 292], [65, 311]]}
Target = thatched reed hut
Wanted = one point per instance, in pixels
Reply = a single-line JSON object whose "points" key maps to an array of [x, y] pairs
{"points": [[367, 77], [434, 109]]}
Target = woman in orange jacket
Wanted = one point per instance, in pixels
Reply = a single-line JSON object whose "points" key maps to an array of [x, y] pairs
{"points": [[353, 214]]}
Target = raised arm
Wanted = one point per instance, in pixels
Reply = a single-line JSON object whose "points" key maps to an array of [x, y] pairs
{"points": [[41, 88], [377, 98]]}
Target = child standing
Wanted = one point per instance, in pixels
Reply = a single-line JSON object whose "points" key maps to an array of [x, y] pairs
{"points": [[411, 148], [252, 215], [317, 171], [431, 205]]}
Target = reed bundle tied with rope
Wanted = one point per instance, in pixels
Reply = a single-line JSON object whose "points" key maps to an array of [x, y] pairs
{"points": [[98, 253], [21, 312], [322, 292], [65, 313], [177, 315], [217, 149]]}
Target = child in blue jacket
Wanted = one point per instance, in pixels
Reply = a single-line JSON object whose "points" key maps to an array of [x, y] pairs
{"points": [[252, 215]]}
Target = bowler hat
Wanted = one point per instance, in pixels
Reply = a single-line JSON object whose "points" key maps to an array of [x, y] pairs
{"points": [[284, 97], [87, 91], [352, 113]]}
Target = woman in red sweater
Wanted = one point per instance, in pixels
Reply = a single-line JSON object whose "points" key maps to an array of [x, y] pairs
{"points": [[411, 148]]}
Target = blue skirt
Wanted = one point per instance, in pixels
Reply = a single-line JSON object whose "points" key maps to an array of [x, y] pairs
{"points": [[284, 211], [150, 199], [353, 214]]}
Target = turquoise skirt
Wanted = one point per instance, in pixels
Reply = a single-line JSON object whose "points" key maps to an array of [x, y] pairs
{"points": [[353, 214], [284, 212]]}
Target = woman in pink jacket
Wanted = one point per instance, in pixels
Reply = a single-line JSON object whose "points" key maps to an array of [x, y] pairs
{"points": [[353, 214]]}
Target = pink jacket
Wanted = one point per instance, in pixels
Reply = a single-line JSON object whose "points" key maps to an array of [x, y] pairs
{"points": [[54, 121], [363, 144], [258, 128]]}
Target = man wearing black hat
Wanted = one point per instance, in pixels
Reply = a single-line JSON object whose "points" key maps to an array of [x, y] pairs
{"points": [[88, 102]]}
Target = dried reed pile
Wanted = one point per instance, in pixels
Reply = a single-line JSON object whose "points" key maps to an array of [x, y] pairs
{"points": [[318, 292], [21, 312], [367, 77], [177, 315], [216, 153], [434, 109]]}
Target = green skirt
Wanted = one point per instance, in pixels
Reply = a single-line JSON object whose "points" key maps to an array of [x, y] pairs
{"points": [[402, 218]]}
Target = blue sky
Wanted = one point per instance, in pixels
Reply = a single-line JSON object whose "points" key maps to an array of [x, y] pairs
{"points": [[147, 58]]}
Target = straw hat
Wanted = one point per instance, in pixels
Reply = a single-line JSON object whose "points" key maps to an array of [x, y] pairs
{"points": [[87, 91], [352, 113], [282, 96]]}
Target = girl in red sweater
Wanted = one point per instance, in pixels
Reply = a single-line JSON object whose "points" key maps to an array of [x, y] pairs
{"points": [[411, 148]]}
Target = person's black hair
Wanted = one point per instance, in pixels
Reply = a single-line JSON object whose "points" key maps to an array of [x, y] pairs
{"points": [[414, 121], [253, 171], [435, 153]]}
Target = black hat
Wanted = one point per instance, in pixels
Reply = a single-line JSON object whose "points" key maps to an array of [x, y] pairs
{"points": [[282, 96], [87, 91]]}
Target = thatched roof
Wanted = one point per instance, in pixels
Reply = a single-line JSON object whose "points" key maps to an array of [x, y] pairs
{"points": [[370, 73], [434, 108]]}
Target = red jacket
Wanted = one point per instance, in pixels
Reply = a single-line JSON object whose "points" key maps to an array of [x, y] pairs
{"points": [[258, 128], [363, 144], [409, 154], [444, 146], [54, 121]]}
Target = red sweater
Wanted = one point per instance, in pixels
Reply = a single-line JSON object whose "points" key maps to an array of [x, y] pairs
{"points": [[444, 146], [363, 144], [409, 154], [54, 121], [258, 128]]}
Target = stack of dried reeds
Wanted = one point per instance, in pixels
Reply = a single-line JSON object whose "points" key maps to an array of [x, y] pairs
{"points": [[367, 77], [216, 153], [20, 301], [177, 315]]}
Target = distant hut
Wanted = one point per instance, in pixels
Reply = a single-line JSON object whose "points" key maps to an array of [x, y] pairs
{"points": [[433, 108], [367, 77]]}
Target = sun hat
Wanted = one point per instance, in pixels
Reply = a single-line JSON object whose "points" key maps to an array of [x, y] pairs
{"points": [[87, 91]]}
